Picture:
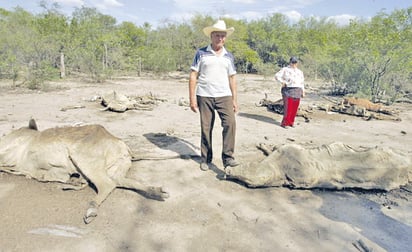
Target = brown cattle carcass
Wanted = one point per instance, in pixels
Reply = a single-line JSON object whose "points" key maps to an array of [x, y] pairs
{"points": [[75, 156], [330, 166]]}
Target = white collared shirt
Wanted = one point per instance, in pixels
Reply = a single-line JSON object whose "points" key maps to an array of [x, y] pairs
{"points": [[214, 71], [292, 77]]}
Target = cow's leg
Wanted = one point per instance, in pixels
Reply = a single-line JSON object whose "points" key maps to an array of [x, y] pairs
{"points": [[149, 191], [102, 182], [104, 186]]}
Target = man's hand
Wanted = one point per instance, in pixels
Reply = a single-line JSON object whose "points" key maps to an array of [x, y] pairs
{"points": [[193, 106], [235, 107]]}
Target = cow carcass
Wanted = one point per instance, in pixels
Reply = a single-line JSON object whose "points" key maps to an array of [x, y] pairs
{"points": [[332, 166], [76, 156], [118, 102]]}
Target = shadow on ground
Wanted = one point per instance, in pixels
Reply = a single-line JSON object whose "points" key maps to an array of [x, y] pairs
{"points": [[366, 215]]}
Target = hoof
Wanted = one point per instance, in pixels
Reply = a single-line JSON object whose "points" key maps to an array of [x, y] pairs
{"points": [[157, 193], [165, 194], [91, 213]]}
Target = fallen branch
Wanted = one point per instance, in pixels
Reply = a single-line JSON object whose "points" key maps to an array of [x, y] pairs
{"points": [[176, 156], [72, 107]]}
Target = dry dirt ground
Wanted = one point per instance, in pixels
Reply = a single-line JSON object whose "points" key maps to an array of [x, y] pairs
{"points": [[204, 211]]}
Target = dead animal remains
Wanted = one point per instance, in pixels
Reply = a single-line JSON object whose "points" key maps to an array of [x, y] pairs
{"points": [[333, 166], [349, 106], [118, 102], [75, 156], [277, 107]]}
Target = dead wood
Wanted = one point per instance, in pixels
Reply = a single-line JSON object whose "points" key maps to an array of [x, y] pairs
{"points": [[72, 107]]}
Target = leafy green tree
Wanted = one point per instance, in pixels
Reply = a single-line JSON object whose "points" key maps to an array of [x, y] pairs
{"points": [[317, 38], [272, 39], [160, 55], [370, 50], [171, 44], [247, 60], [93, 46], [133, 44], [367, 57], [51, 28], [398, 78], [16, 51]]}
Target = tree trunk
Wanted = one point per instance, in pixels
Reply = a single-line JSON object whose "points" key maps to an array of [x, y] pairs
{"points": [[62, 67]]}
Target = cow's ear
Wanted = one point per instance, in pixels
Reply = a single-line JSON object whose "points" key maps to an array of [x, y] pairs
{"points": [[32, 124]]}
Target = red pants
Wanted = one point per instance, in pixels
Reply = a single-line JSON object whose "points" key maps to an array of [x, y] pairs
{"points": [[290, 108]]}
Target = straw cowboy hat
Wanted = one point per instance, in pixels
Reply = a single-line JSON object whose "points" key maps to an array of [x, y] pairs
{"points": [[220, 25]]}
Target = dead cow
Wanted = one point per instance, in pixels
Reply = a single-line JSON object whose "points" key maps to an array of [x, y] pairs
{"points": [[73, 155], [332, 166]]}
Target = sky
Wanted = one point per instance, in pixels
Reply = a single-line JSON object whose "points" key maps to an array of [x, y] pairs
{"points": [[156, 12]]}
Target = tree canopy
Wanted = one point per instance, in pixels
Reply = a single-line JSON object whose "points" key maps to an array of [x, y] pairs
{"points": [[368, 57]]}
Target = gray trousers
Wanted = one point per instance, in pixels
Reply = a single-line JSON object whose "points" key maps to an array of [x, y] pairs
{"points": [[224, 107]]}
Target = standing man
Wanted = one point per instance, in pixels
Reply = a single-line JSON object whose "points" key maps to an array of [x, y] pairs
{"points": [[293, 89], [212, 87]]}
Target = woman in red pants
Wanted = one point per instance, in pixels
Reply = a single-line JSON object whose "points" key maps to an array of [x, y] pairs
{"points": [[293, 89]]}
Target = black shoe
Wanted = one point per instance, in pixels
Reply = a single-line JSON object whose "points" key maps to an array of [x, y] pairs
{"points": [[231, 162]]}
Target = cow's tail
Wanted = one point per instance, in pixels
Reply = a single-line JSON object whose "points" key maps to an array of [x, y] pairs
{"points": [[182, 156]]}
